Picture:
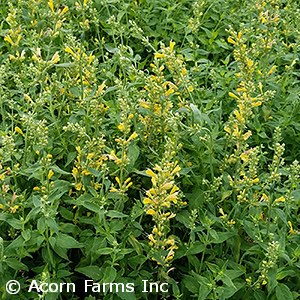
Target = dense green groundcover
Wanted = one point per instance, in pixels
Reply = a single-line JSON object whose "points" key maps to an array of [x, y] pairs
{"points": [[150, 141]]}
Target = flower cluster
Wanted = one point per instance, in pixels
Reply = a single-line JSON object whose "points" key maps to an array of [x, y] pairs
{"points": [[160, 201]]}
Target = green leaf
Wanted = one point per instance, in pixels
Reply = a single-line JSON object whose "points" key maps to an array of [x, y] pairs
{"points": [[110, 274], [67, 242], [93, 272], [197, 247], [283, 292], [116, 214], [15, 264], [105, 251]]}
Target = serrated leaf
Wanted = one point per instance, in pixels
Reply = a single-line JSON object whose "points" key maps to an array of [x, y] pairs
{"points": [[93, 272]]}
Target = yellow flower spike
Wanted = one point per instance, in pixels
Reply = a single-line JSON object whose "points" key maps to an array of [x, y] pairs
{"points": [[36, 188], [150, 173], [75, 172], [174, 189], [280, 199], [249, 62], [132, 137], [176, 170], [172, 44], [239, 36], [69, 50], [272, 70], [159, 55], [231, 40], [292, 231], [247, 135], [161, 68], [255, 180], [167, 186], [232, 95], [256, 104], [190, 88], [239, 117], [151, 212], [227, 129], [241, 89], [50, 174], [169, 92], [85, 2], [245, 157], [78, 149], [127, 180], [78, 186], [55, 58], [147, 201], [19, 130], [183, 71], [65, 10], [49, 156], [8, 39], [264, 197], [2, 176], [51, 5], [129, 185], [90, 155], [85, 172], [121, 127], [118, 181], [171, 198], [91, 59]]}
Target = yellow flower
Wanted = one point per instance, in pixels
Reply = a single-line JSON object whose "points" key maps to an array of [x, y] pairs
{"points": [[78, 186], [190, 88], [55, 58], [176, 170], [249, 62], [159, 55], [132, 137], [183, 71], [121, 127], [169, 92], [147, 201], [280, 199], [85, 172], [65, 10], [231, 40], [272, 70], [257, 103], [19, 130], [227, 129], [292, 231], [247, 135], [151, 212], [150, 173], [69, 50], [244, 156], [51, 6], [50, 174], [232, 95], [172, 44], [9, 40]]}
